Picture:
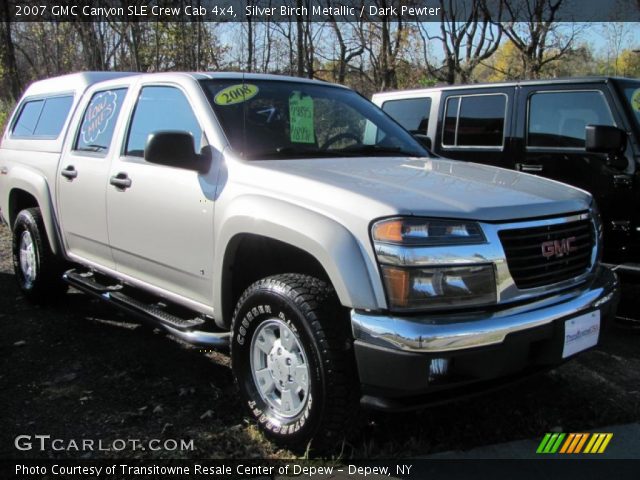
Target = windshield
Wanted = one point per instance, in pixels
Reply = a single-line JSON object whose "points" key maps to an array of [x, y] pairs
{"points": [[632, 94], [266, 119]]}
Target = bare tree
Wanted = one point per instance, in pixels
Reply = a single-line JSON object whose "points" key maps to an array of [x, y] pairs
{"points": [[384, 40], [347, 51], [93, 47], [617, 35], [267, 45], [285, 30], [8, 54], [250, 44], [467, 35], [532, 27], [305, 41]]}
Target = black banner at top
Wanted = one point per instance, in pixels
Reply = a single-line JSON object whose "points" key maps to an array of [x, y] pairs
{"points": [[318, 10]]}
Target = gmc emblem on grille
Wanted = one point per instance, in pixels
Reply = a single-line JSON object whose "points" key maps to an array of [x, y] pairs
{"points": [[558, 248]]}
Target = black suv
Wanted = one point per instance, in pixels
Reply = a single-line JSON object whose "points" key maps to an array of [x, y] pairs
{"points": [[580, 131]]}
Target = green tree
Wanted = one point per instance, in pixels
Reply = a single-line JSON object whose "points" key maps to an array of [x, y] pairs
{"points": [[505, 64], [629, 63], [508, 63]]}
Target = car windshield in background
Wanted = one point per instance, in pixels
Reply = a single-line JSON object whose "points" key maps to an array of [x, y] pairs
{"points": [[632, 94], [267, 119]]}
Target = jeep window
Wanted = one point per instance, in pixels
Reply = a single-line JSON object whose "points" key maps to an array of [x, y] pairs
{"points": [[558, 119], [264, 119], [475, 121], [632, 95], [99, 120], [411, 113], [450, 121], [43, 118], [160, 108]]}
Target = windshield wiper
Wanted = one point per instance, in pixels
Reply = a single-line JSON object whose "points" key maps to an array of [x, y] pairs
{"points": [[301, 152], [293, 152], [377, 149]]}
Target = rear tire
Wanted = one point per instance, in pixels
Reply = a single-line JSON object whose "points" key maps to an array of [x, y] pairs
{"points": [[37, 270], [292, 356]]}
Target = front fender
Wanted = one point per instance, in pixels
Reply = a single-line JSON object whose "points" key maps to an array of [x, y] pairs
{"points": [[347, 263]]}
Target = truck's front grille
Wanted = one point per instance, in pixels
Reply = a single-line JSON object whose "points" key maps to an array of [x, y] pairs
{"points": [[539, 256]]}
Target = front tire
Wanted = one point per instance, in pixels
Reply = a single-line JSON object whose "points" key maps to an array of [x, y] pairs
{"points": [[292, 356], [37, 270]]}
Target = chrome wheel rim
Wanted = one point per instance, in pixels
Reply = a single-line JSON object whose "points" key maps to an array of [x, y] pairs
{"points": [[280, 368], [28, 264]]}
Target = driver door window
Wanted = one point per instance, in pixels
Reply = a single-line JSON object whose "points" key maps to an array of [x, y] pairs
{"points": [[160, 108], [558, 119]]}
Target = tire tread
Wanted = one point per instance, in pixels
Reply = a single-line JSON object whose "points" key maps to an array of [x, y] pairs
{"points": [[49, 284], [319, 305]]}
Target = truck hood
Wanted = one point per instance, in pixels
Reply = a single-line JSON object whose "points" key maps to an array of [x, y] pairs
{"points": [[380, 186]]}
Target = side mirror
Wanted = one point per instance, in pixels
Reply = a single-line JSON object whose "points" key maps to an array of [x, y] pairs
{"points": [[174, 149], [609, 140], [424, 140], [605, 139]]}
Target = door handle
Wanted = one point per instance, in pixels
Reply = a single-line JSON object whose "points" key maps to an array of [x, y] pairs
{"points": [[623, 181], [69, 173], [528, 167], [121, 181]]}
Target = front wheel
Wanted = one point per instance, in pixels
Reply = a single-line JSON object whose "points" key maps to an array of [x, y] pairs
{"points": [[293, 359], [37, 270]]}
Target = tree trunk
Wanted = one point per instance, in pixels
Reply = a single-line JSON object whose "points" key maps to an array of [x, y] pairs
{"points": [[300, 41], [250, 45], [9, 54]]}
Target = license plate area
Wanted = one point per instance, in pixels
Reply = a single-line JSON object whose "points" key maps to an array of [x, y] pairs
{"points": [[580, 333]]}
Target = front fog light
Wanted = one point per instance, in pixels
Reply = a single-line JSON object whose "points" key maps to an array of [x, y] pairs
{"points": [[438, 287]]}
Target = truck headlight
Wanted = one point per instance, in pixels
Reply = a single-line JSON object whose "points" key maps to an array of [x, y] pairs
{"points": [[439, 287], [412, 287], [427, 232]]}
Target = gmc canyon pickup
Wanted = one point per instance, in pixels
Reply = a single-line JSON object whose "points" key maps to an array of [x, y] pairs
{"points": [[296, 223]]}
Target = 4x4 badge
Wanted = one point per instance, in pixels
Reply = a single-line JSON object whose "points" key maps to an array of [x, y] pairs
{"points": [[558, 248]]}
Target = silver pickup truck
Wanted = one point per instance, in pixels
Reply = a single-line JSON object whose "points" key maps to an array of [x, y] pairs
{"points": [[295, 222]]}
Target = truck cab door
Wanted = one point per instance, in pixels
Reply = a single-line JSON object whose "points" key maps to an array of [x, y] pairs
{"points": [[552, 126], [82, 173], [160, 217]]}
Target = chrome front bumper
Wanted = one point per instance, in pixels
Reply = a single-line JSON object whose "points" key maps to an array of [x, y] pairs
{"points": [[449, 333]]}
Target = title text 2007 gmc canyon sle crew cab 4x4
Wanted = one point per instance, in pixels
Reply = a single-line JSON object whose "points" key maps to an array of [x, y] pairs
{"points": [[295, 221]]}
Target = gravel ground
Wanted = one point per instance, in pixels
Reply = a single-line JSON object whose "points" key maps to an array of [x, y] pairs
{"points": [[81, 370]]}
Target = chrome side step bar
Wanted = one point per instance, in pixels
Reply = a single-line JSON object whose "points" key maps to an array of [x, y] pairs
{"points": [[183, 328], [217, 340]]}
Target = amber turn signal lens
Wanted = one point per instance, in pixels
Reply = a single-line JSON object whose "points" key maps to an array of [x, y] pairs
{"points": [[397, 282], [389, 231]]}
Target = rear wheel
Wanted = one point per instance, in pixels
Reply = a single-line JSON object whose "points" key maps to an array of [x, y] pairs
{"points": [[293, 359], [37, 270]]}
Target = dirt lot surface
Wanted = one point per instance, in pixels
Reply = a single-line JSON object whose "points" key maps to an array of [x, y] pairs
{"points": [[79, 370]]}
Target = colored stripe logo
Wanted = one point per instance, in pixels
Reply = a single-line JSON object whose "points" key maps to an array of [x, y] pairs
{"points": [[574, 443]]}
